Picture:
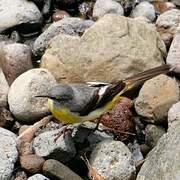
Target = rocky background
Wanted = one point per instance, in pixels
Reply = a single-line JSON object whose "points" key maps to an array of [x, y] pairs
{"points": [[45, 42]]}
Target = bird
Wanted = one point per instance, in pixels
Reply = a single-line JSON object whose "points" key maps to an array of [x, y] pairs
{"points": [[72, 103]]}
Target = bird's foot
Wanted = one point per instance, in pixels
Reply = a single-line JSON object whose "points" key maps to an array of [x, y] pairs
{"points": [[97, 124], [64, 129]]}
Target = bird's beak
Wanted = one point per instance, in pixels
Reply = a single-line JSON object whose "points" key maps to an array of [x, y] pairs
{"points": [[44, 96]]}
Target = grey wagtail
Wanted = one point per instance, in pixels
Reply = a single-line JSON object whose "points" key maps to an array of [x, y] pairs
{"points": [[76, 103]]}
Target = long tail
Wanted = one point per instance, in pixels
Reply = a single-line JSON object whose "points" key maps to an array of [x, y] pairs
{"points": [[143, 76]]}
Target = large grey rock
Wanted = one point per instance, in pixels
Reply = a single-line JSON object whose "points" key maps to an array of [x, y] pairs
{"points": [[113, 160], [163, 161], [144, 9], [4, 89], [113, 48], [15, 59], [63, 149], [21, 98], [156, 97], [15, 12], [102, 7], [8, 153], [38, 177], [71, 26], [57, 170]]}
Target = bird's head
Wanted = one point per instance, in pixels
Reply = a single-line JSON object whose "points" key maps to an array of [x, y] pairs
{"points": [[59, 93]]}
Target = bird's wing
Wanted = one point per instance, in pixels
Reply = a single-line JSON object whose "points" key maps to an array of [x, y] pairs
{"points": [[87, 99]]}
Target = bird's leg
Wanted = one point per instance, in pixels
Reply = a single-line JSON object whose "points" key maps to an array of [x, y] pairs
{"points": [[97, 123], [62, 130]]}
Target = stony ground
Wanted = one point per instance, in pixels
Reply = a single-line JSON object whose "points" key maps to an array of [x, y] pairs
{"points": [[45, 42]]}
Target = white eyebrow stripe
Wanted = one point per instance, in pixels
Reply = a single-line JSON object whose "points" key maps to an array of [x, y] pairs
{"points": [[102, 90]]}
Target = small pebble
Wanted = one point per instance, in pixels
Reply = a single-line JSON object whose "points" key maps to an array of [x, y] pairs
{"points": [[59, 14], [102, 7], [153, 133], [38, 177], [144, 9]]}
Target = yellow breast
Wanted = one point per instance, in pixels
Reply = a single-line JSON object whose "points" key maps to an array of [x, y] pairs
{"points": [[63, 114]]}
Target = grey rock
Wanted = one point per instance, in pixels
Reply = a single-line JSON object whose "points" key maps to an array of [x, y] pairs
{"points": [[113, 160], [169, 21], [38, 177], [21, 98], [153, 134], [163, 161], [15, 12], [144, 9], [8, 153], [56, 169], [85, 132], [156, 97], [174, 53], [113, 48], [136, 151], [174, 115], [102, 7], [15, 59], [71, 26], [176, 2], [63, 149], [4, 89]]}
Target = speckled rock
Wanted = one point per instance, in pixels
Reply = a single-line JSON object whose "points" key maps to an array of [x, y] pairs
{"points": [[163, 161], [31, 163], [4, 89], [113, 160], [15, 59], [63, 149], [15, 12], [21, 98], [144, 9], [153, 134], [174, 115], [8, 153], [102, 7], [57, 170], [174, 53], [156, 97], [168, 21], [71, 26], [38, 177], [105, 48]]}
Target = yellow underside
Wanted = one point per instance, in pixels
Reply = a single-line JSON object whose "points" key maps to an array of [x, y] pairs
{"points": [[65, 116]]}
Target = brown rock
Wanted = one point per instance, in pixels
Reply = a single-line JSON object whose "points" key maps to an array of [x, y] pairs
{"points": [[156, 97], [163, 6], [59, 14], [119, 119], [14, 60], [105, 52], [31, 163]]}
